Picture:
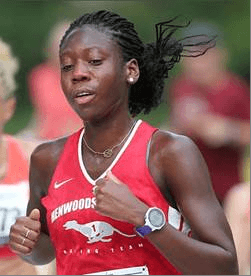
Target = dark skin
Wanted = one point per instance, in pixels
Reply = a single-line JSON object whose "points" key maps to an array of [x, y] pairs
{"points": [[92, 63]]}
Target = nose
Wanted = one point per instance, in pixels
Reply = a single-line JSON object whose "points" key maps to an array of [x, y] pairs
{"points": [[81, 72]]}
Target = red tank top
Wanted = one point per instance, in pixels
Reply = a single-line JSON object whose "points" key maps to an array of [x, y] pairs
{"points": [[14, 193], [87, 242]]}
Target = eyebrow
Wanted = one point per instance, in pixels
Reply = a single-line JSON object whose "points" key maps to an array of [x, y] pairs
{"points": [[66, 52]]}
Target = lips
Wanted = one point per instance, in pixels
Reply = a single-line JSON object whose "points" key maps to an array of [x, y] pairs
{"points": [[84, 96]]}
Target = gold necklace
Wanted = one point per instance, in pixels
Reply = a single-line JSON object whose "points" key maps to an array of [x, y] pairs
{"points": [[108, 152]]}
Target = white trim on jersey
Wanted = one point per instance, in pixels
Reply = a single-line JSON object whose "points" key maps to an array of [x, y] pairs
{"points": [[80, 159]]}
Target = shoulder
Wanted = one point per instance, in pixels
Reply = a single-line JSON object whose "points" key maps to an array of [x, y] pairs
{"points": [[176, 151], [171, 145], [48, 152], [176, 163], [44, 159], [43, 162]]}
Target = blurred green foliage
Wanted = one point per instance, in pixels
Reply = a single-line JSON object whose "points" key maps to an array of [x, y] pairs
{"points": [[26, 24]]}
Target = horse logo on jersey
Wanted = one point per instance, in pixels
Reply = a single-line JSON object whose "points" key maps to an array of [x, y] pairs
{"points": [[95, 231]]}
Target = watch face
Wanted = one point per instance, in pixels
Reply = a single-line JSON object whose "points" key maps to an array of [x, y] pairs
{"points": [[156, 217]]}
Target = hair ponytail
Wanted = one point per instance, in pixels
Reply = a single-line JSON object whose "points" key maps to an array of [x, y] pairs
{"points": [[158, 59]]}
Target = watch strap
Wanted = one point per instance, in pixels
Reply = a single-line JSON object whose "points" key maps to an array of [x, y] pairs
{"points": [[143, 230]]}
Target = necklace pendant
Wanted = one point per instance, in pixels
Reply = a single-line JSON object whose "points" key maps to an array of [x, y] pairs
{"points": [[107, 153]]}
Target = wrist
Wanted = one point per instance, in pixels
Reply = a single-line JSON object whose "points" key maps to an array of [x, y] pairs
{"points": [[155, 220], [139, 217]]}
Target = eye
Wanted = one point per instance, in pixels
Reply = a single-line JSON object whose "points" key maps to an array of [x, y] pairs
{"points": [[66, 68], [96, 62]]}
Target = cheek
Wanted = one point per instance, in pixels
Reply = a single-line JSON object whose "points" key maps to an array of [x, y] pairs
{"points": [[113, 79], [112, 89]]}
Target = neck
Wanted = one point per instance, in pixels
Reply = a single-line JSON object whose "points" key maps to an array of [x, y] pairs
{"points": [[101, 136]]}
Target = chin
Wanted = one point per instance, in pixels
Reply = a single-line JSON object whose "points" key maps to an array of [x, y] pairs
{"points": [[87, 115]]}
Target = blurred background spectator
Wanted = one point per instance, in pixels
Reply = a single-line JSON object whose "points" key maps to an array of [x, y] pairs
{"points": [[237, 208], [210, 104], [14, 187], [53, 116]]}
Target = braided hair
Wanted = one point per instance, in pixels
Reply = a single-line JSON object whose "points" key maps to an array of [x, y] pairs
{"points": [[155, 59]]}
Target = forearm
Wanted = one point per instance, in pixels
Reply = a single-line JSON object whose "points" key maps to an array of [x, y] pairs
{"points": [[42, 253], [191, 256]]}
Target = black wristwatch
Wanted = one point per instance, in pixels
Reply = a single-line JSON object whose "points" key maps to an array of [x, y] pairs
{"points": [[154, 220]]}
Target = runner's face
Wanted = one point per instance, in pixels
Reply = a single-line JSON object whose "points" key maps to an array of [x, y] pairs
{"points": [[93, 75]]}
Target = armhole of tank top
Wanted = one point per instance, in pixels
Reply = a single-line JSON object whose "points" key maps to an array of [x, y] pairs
{"points": [[56, 163], [167, 194]]}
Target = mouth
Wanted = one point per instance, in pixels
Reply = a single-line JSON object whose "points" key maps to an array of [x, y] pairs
{"points": [[84, 97]]}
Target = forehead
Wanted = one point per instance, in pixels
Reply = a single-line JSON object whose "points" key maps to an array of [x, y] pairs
{"points": [[88, 37]]}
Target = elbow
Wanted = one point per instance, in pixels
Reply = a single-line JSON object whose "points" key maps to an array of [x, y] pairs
{"points": [[233, 264], [228, 264], [222, 263]]}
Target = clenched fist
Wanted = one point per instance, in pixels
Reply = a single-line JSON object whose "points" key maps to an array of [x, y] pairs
{"points": [[115, 200], [24, 233]]}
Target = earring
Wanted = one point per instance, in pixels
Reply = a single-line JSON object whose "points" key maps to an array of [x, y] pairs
{"points": [[131, 80]]}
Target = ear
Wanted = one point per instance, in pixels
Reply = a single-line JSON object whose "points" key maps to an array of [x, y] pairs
{"points": [[132, 71], [9, 108]]}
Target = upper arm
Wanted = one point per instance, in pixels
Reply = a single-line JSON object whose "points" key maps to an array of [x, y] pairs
{"points": [[42, 165], [38, 180], [184, 171]]}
